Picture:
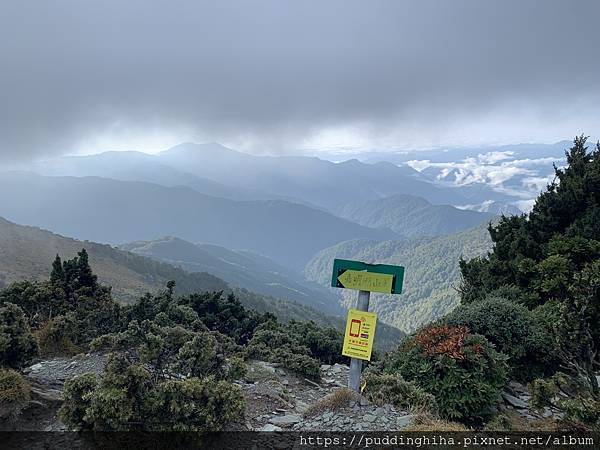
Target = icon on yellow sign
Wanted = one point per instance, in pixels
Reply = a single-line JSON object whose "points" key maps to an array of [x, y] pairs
{"points": [[359, 335]]}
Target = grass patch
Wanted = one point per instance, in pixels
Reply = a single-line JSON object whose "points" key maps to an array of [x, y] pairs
{"points": [[427, 422], [338, 399]]}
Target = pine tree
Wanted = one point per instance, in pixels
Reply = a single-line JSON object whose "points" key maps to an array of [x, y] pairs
{"points": [[85, 276], [57, 276], [556, 240]]}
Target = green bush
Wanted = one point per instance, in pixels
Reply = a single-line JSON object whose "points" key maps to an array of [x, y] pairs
{"points": [[513, 330], [567, 394], [195, 405], [299, 363], [200, 357], [462, 370], [382, 388], [14, 393], [77, 393], [129, 397], [300, 347], [17, 345], [324, 343], [584, 410], [235, 368]]}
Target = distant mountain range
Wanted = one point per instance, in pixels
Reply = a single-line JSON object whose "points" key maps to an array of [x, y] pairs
{"points": [[507, 176], [216, 170], [111, 211], [138, 166], [311, 179], [411, 216], [432, 273], [239, 268]]}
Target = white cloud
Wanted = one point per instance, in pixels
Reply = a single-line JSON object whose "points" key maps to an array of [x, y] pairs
{"points": [[494, 157], [520, 178]]}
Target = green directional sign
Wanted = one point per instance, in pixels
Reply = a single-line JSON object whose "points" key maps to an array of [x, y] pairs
{"points": [[361, 276], [366, 281]]}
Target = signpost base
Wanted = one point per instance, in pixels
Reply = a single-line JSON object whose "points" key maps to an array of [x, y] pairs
{"points": [[355, 363]]}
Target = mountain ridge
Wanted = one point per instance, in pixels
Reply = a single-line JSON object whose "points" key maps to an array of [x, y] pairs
{"points": [[412, 216], [113, 211], [243, 269]]}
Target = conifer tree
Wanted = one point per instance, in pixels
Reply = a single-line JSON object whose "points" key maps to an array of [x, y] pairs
{"points": [[57, 276]]}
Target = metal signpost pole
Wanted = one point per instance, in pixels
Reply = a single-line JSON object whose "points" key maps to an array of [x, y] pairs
{"points": [[355, 363]]}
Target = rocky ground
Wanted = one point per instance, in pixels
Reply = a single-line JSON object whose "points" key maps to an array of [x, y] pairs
{"points": [[276, 399], [516, 397]]}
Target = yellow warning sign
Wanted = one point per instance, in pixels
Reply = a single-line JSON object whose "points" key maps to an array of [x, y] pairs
{"points": [[360, 333]]}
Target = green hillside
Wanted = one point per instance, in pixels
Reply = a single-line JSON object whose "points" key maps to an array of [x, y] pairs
{"points": [[244, 269], [432, 273], [26, 253], [411, 216]]}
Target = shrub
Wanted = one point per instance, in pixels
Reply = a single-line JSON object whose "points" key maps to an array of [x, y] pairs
{"points": [[299, 363], [584, 410], [195, 405], [568, 395], [382, 388], [460, 369], [324, 343], [14, 393], [128, 397], [513, 330], [55, 338], [200, 357], [17, 345], [77, 393], [274, 343], [235, 368]]}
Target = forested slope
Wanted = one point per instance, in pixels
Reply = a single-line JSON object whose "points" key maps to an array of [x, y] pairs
{"points": [[432, 273]]}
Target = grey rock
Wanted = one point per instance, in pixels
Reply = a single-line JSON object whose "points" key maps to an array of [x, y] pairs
{"points": [[369, 418], [404, 421], [514, 401], [51, 395], [517, 387], [286, 421], [270, 427], [301, 407]]}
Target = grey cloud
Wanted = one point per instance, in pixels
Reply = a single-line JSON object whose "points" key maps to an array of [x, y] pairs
{"points": [[279, 71]]}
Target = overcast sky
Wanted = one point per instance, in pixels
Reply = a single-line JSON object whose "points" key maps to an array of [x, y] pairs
{"points": [[269, 76]]}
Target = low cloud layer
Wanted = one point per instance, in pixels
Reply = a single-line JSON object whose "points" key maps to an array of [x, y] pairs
{"points": [[521, 178], [271, 75]]}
